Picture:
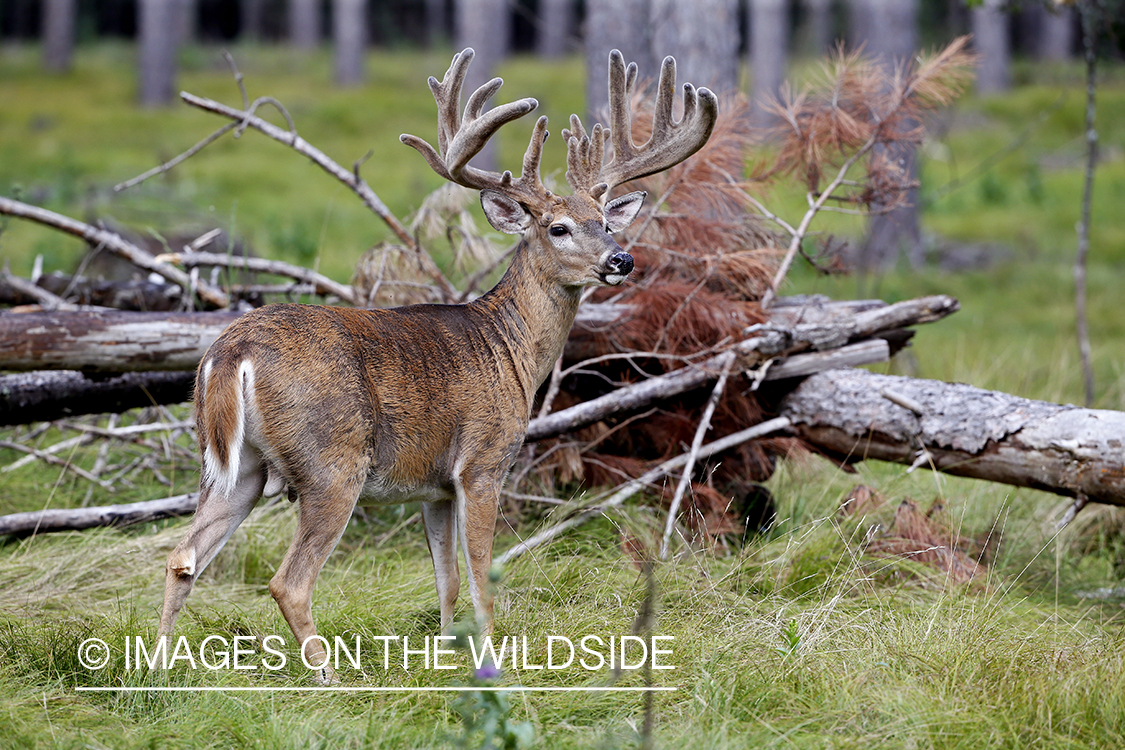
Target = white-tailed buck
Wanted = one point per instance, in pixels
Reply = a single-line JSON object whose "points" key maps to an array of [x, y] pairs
{"points": [[423, 403]]}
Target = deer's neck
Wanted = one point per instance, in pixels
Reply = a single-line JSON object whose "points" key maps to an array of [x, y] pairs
{"points": [[532, 315]]}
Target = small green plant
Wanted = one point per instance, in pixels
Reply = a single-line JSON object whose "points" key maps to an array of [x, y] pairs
{"points": [[486, 712], [791, 639]]}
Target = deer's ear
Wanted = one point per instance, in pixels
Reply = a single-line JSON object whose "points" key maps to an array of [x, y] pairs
{"points": [[620, 212], [503, 213]]}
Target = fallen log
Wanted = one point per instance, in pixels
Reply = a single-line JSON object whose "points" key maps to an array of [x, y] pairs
{"points": [[113, 342], [133, 341], [786, 345], [55, 394], [856, 415], [108, 340], [76, 519]]}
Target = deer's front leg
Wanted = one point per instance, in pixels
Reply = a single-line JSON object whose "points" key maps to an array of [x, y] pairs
{"points": [[477, 501]]}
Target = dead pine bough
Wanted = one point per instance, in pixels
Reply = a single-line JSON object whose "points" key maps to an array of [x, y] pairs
{"points": [[695, 371]]}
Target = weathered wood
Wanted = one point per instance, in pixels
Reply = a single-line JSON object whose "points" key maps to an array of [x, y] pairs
{"points": [[108, 340], [76, 519], [321, 283], [116, 342], [17, 291], [125, 341], [44, 396], [866, 352], [965, 431]]}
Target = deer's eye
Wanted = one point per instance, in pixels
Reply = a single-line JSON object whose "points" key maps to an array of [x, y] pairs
{"points": [[558, 230]]}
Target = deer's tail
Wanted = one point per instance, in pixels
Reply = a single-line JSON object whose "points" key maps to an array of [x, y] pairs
{"points": [[224, 388]]}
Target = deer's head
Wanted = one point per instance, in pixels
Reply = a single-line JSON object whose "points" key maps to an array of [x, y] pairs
{"points": [[569, 235]]}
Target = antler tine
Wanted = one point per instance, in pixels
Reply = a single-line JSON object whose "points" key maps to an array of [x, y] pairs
{"points": [[447, 94], [461, 137], [584, 155], [671, 142]]}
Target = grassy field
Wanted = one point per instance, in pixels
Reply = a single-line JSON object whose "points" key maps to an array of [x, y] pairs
{"points": [[794, 640]]}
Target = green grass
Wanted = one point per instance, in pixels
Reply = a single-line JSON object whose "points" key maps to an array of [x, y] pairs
{"points": [[796, 640]]}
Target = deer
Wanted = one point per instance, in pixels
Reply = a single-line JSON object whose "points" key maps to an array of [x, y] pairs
{"points": [[423, 403]]}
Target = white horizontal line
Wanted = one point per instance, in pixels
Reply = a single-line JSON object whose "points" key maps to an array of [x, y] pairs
{"points": [[312, 689]]}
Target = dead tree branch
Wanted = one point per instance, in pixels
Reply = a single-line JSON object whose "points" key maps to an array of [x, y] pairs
{"points": [[74, 519], [321, 284], [632, 487], [693, 454], [348, 177], [117, 245], [1082, 326]]}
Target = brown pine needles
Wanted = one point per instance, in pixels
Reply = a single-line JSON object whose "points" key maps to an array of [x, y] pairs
{"points": [[836, 124]]}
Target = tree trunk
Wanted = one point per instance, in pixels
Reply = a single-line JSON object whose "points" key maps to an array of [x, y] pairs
{"points": [[861, 22], [486, 26], [819, 30], [966, 431], [108, 341], [349, 34], [1056, 33], [614, 24], [553, 34], [185, 24], [304, 24], [45, 396], [58, 34], [893, 232], [703, 37], [990, 37], [769, 33], [437, 22], [251, 14], [159, 37]]}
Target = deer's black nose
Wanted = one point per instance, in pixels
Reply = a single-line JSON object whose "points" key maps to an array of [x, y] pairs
{"points": [[620, 264]]}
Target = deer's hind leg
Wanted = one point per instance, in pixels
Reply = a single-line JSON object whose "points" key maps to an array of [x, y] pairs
{"points": [[219, 513], [441, 536], [324, 512]]}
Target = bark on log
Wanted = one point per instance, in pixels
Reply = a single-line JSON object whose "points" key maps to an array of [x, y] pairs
{"points": [[128, 341], [966, 431], [46, 396], [108, 340], [76, 519]]}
